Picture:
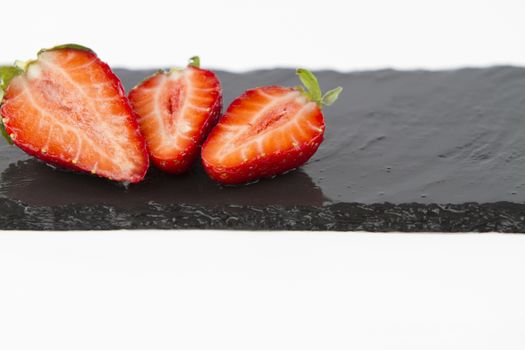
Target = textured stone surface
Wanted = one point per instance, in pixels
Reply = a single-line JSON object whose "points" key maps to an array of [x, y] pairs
{"points": [[404, 151]]}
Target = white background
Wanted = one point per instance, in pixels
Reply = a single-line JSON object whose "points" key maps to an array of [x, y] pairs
{"points": [[239, 34], [246, 290]]}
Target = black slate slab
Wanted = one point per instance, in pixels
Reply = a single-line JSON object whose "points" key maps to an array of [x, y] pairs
{"points": [[404, 151]]}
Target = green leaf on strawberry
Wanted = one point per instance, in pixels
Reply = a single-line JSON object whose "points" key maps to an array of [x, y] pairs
{"points": [[312, 90], [7, 73], [331, 96], [195, 61]]}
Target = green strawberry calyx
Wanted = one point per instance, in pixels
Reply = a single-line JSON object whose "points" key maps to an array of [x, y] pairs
{"points": [[312, 90], [7, 73], [195, 61]]}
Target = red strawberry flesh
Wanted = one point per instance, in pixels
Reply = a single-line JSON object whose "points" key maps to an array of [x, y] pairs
{"points": [[176, 110], [69, 109], [265, 132]]}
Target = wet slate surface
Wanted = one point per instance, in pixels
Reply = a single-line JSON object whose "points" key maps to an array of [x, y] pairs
{"points": [[404, 151]]}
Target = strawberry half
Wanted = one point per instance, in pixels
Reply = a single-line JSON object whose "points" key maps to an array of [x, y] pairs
{"points": [[69, 109], [176, 110], [267, 131]]}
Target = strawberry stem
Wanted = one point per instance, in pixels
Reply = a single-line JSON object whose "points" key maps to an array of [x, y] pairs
{"points": [[195, 61], [312, 90]]}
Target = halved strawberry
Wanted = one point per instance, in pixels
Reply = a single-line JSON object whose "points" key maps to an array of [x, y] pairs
{"points": [[176, 110], [69, 109], [267, 131]]}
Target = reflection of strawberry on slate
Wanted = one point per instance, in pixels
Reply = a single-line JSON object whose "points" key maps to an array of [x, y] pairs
{"points": [[32, 183]]}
